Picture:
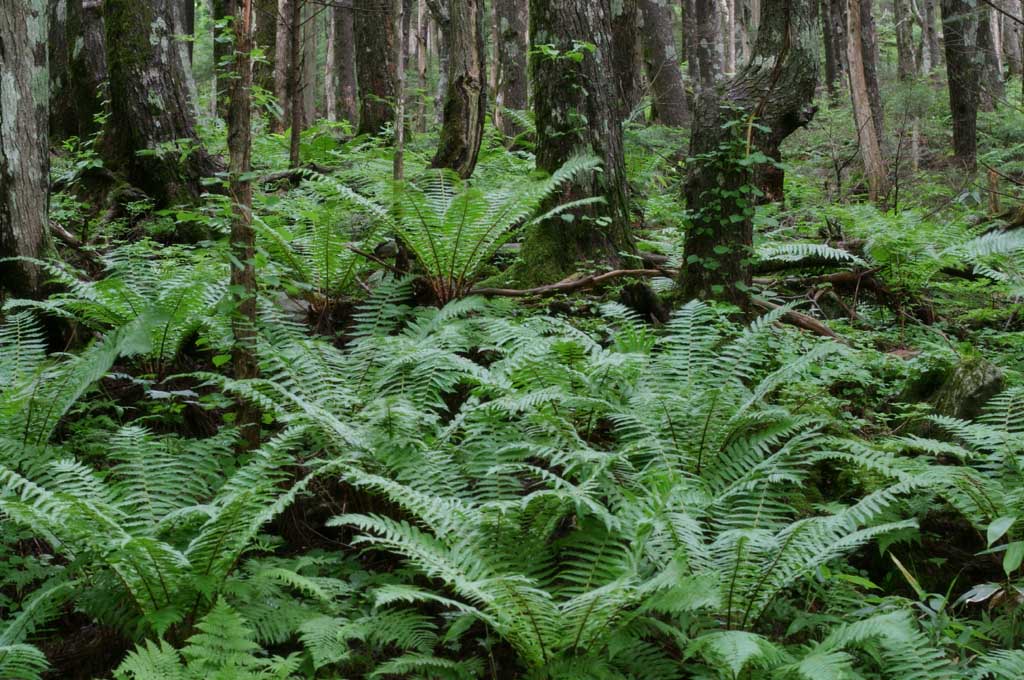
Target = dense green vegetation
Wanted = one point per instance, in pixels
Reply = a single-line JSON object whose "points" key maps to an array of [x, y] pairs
{"points": [[457, 478]]}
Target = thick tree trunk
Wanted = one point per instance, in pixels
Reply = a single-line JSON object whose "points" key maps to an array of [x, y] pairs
{"points": [[265, 38], [992, 90], [24, 152], [310, 31], [222, 57], [513, 18], [774, 91], [663, 63], [931, 33], [627, 56], [375, 64], [906, 59], [869, 53], [960, 29], [863, 112], [331, 67], [441, 41], [576, 112], [243, 240], [78, 67], [150, 106], [1012, 37], [465, 103], [834, 26], [706, 50], [283, 62], [188, 16], [423, 62], [345, 61]]}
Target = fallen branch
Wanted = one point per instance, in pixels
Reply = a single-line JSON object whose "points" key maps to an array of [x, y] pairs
{"points": [[573, 284], [801, 321]]}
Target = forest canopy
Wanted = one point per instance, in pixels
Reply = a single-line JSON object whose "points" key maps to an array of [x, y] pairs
{"points": [[512, 339]]}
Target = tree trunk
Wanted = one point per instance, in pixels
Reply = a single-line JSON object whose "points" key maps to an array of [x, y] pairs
{"points": [[627, 56], [1012, 38], [907, 62], [441, 40], [730, 36], [222, 57], [422, 62], [834, 26], [296, 101], [465, 103], [931, 33], [513, 18], [705, 45], [243, 239], [576, 112], [310, 31], [960, 30], [345, 61], [77, 76], [188, 15], [375, 64], [24, 152], [331, 67], [283, 62], [398, 162], [869, 54], [150, 106], [265, 38], [992, 90], [774, 91], [863, 112], [663, 63]]}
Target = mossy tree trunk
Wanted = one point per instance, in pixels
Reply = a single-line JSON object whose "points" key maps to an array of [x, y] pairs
{"points": [[576, 112], [375, 64], [24, 153], [905, 57], [151, 111], [343, 69], [992, 89], [960, 30], [78, 67], [663, 62], [465, 102], [773, 91], [513, 22]]}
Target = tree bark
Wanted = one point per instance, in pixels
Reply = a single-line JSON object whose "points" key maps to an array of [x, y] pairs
{"points": [[706, 50], [375, 64], [243, 239], [863, 112], [78, 68], [960, 30], [870, 57], [296, 101], [345, 62], [1012, 37], [931, 33], [265, 38], [575, 109], [310, 32], [774, 91], [663, 63], [833, 18], [465, 103], [992, 90], [398, 164], [222, 57], [906, 59], [24, 152], [150, 106], [627, 56], [512, 18], [283, 62]]}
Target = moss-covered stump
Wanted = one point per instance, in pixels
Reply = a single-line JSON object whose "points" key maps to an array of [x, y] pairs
{"points": [[969, 385]]}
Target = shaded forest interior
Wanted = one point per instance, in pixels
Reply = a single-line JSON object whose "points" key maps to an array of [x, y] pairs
{"points": [[512, 339]]}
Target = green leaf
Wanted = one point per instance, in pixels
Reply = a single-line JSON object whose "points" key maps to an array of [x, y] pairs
{"points": [[1013, 557], [998, 528], [221, 359]]}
